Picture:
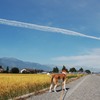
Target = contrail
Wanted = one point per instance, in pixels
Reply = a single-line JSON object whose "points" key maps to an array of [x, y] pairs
{"points": [[44, 28]]}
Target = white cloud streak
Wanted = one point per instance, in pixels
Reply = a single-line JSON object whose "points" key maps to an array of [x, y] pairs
{"points": [[44, 28], [91, 58]]}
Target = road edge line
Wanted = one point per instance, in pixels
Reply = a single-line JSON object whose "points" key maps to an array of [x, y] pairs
{"points": [[69, 93]]}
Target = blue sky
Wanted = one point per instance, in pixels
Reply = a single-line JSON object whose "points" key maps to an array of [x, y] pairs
{"points": [[81, 17]]}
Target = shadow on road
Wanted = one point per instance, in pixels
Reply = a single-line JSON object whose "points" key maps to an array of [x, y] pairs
{"points": [[59, 90]]}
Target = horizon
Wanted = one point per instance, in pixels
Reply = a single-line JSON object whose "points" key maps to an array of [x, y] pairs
{"points": [[51, 65], [51, 32]]}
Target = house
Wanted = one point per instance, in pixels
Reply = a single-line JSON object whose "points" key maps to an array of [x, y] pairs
{"points": [[1, 70], [26, 70]]}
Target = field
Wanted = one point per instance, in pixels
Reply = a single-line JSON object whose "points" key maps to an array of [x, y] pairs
{"points": [[13, 85]]}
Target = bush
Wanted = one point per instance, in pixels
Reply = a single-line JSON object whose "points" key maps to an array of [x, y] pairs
{"points": [[73, 70], [14, 70], [88, 71]]}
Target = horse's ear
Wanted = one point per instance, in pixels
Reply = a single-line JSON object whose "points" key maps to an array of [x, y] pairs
{"points": [[64, 72]]}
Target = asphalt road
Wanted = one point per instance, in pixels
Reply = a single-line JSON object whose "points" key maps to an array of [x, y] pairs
{"points": [[85, 88]]}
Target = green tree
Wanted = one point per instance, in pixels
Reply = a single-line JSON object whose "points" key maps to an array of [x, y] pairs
{"points": [[55, 70], [81, 69], [14, 70], [7, 69], [64, 68], [0, 66], [73, 70]]}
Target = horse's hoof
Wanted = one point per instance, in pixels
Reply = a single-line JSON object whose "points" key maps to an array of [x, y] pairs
{"points": [[50, 91], [55, 91], [66, 90]]}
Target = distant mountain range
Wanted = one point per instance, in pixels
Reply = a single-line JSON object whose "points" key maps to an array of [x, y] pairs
{"points": [[13, 62]]}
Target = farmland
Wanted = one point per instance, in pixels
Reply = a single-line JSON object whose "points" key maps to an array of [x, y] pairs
{"points": [[13, 85]]}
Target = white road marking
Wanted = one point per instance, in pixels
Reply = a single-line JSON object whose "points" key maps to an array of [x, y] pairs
{"points": [[70, 92]]}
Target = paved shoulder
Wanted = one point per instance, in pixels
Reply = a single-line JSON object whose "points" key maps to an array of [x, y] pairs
{"points": [[89, 89]]}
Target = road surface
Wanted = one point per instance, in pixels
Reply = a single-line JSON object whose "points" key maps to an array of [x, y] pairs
{"points": [[85, 88]]}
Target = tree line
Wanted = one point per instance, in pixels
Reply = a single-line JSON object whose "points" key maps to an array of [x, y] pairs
{"points": [[73, 69], [55, 70]]}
